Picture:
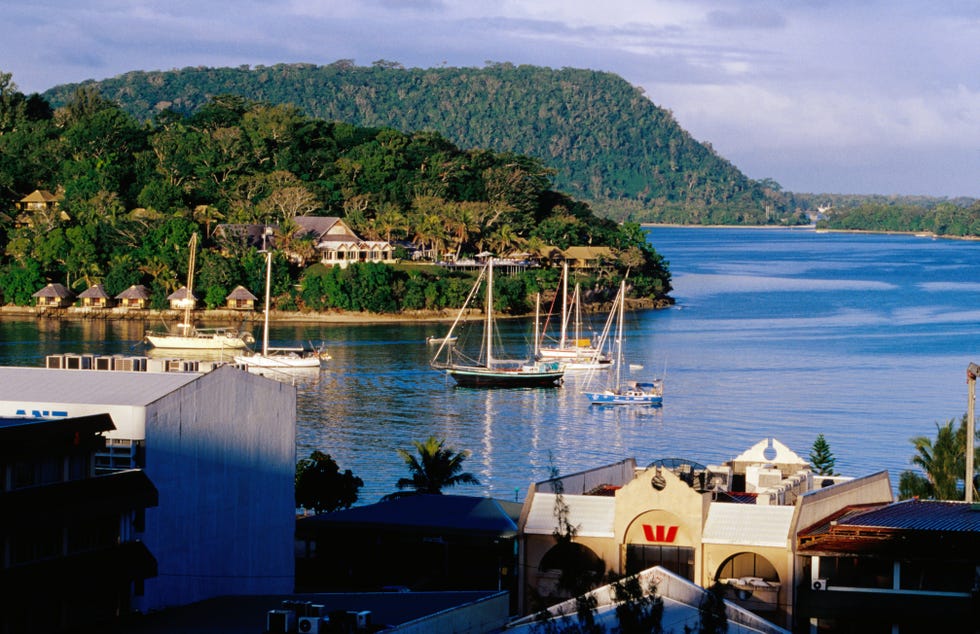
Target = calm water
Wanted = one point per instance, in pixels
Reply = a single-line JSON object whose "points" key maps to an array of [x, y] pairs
{"points": [[779, 333]]}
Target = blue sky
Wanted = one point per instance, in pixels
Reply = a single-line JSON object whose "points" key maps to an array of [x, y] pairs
{"points": [[842, 96]]}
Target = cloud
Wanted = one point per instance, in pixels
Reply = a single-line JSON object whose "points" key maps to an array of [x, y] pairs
{"points": [[871, 97]]}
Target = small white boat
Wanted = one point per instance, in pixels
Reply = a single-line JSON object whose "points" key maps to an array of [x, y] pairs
{"points": [[438, 340], [618, 392], [285, 358], [279, 358]]}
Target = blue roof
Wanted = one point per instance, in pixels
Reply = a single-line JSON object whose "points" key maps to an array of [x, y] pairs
{"points": [[921, 515], [456, 513]]}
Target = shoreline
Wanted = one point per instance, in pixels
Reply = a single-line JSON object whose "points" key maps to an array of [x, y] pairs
{"points": [[255, 317], [815, 229]]}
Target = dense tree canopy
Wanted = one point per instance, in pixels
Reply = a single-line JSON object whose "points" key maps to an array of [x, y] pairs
{"points": [[604, 140], [131, 193]]}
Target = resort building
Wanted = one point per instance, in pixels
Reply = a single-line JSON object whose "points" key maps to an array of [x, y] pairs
{"points": [[338, 244], [95, 297], [54, 295], [241, 299], [136, 297], [218, 447], [180, 298], [734, 524]]}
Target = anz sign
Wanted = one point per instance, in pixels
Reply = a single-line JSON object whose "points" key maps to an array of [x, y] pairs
{"points": [[42, 413]]}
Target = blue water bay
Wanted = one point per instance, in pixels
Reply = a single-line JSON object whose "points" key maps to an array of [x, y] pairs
{"points": [[776, 333]]}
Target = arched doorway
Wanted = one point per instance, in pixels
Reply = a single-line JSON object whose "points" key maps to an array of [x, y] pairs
{"points": [[569, 569], [750, 581]]}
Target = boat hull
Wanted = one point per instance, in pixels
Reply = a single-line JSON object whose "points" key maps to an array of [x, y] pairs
{"points": [[478, 377], [259, 361], [210, 342], [613, 398]]}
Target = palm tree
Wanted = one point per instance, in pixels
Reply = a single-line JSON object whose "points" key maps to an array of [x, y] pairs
{"points": [[435, 467], [943, 460]]}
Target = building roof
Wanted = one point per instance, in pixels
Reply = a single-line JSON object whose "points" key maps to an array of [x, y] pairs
{"points": [[96, 291], [181, 293], [39, 196], [136, 291], [20, 387], [319, 225], [54, 289], [594, 515], [587, 253], [909, 528], [748, 525], [455, 513], [920, 515], [240, 292]]}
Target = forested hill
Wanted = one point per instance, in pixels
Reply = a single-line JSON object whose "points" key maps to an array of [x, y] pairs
{"points": [[605, 140]]}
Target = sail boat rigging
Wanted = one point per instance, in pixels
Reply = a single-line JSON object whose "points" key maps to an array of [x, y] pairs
{"points": [[618, 392], [493, 372], [281, 358], [189, 337], [575, 353]]}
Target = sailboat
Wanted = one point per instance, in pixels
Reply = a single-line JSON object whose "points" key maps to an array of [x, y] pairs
{"points": [[575, 353], [489, 371], [618, 392], [189, 337], [279, 358]]}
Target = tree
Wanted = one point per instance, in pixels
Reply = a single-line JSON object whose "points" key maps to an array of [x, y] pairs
{"points": [[821, 458], [322, 487], [434, 468], [944, 462]]}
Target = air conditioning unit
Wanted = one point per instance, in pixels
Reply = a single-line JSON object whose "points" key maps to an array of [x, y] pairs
{"points": [[362, 620], [819, 584], [309, 625], [280, 621]]}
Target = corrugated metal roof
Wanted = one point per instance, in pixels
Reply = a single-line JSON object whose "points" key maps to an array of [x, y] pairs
{"points": [[592, 515], [41, 385], [748, 525], [922, 515]]}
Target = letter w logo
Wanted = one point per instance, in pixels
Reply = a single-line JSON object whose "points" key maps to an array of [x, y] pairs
{"points": [[660, 533]]}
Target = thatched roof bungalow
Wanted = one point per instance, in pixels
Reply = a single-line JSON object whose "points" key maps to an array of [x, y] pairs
{"points": [[96, 297], [180, 297], [136, 296], [241, 299], [54, 295]]}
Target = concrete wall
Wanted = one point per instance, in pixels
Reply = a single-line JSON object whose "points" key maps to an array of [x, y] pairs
{"points": [[221, 452]]}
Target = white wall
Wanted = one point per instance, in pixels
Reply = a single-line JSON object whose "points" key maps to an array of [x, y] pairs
{"points": [[222, 454]]}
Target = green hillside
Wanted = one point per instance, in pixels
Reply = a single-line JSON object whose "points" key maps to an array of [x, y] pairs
{"points": [[606, 141]]}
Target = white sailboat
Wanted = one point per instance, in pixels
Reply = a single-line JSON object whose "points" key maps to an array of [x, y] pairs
{"points": [[617, 391], [189, 337], [279, 358], [490, 371], [576, 352]]}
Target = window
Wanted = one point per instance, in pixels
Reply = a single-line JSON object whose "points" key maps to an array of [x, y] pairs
{"points": [[677, 559]]}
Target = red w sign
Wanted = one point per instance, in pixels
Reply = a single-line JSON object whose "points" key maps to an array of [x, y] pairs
{"points": [[659, 533]]}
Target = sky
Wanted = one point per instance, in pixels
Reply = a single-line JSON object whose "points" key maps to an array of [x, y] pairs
{"points": [[822, 96]]}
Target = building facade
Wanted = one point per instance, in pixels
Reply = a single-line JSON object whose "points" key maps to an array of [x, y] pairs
{"points": [[733, 524], [218, 446]]}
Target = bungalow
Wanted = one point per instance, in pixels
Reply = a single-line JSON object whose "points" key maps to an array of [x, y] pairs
{"points": [[587, 257], [95, 297], [136, 297], [180, 298], [54, 295], [241, 299], [40, 203], [338, 244]]}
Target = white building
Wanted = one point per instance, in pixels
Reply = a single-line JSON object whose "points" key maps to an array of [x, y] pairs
{"points": [[219, 447]]}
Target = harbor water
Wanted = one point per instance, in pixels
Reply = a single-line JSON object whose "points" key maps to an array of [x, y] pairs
{"points": [[776, 333]]}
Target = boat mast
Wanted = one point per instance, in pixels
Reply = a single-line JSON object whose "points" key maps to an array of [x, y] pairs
{"points": [[189, 300], [268, 285], [489, 327], [564, 304], [619, 334]]}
